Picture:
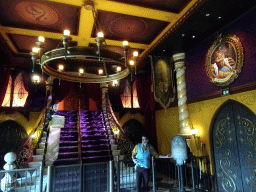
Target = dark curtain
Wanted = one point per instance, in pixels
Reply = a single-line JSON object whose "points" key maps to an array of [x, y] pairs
{"points": [[60, 90], [94, 92], [25, 80], [115, 95], [143, 89], [27, 85], [147, 104], [4, 79]]}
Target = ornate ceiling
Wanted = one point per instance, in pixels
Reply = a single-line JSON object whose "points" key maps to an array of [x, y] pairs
{"points": [[146, 24]]}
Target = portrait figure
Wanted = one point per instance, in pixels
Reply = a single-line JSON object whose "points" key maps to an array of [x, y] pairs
{"points": [[224, 60]]}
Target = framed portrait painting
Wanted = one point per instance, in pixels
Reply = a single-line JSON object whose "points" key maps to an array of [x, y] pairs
{"points": [[224, 60]]}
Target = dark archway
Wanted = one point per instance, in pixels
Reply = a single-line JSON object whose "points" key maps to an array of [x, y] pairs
{"points": [[12, 135], [134, 130], [233, 138]]}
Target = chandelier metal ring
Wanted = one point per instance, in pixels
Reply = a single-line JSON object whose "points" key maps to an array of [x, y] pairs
{"points": [[87, 58]]}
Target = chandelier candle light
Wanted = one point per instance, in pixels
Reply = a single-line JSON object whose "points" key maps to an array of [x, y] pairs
{"points": [[83, 64]]}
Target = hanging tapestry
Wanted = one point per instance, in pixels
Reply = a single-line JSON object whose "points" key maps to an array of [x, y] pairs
{"points": [[164, 91]]}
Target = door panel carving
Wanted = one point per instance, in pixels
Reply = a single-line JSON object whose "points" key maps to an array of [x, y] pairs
{"points": [[225, 152], [246, 134], [234, 147]]}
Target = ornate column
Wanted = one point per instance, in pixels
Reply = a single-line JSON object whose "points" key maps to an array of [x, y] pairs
{"points": [[182, 94], [49, 85], [104, 89]]}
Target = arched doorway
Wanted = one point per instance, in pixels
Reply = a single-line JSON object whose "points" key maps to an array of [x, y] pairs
{"points": [[234, 148], [12, 136], [134, 129]]}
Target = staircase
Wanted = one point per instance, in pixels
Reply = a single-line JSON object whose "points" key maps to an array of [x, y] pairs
{"points": [[95, 140], [68, 145]]}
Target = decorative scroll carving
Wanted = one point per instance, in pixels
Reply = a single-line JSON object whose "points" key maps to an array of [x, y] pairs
{"points": [[226, 174], [247, 129], [249, 99], [251, 179], [24, 155], [220, 132]]}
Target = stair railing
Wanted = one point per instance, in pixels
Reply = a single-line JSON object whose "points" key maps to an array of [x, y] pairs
{"points": [[25, 151], [124, 143], [79, 142]]}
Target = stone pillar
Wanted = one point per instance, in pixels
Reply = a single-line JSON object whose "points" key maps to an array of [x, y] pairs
{"points": [[7, 183], [182, 94], [104, 89]]}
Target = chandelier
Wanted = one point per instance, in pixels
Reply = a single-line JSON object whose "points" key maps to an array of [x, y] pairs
{"points": [[83, 64]]}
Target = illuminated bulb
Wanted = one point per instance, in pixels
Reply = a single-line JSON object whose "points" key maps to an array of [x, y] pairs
{"points": [[81, 71], [41, 39], [61, 67], [35, 50], [125, 43], [116, 132], [100, 71], [100, 34], [66, 32], [115, 82], [118, 69], [36, 78], [131, 62], [193, 131], [135, 54]]}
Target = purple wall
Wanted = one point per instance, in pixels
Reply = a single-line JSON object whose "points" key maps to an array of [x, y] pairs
{"points": [[198, 83]]}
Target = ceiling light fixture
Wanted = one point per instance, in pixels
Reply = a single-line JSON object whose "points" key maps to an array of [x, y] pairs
{"points": [[83, 64]]}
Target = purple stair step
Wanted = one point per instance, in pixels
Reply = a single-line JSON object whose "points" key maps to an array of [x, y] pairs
{"points": [[94, 132], [95, 142], [66, 134], [93, 137], [69, 161], [96, 153], [68, 149], [97, 159], [68, 131], [68, 143], [95, 147], [68, 155]]}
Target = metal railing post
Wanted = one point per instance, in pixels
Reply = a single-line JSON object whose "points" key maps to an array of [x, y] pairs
{"points": [[49, 179], [193, 176], [41, 178], [111, 181], [118, 174], [154, 179]]}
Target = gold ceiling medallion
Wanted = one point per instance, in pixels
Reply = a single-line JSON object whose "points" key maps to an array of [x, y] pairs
{"points": [[224, 60]]}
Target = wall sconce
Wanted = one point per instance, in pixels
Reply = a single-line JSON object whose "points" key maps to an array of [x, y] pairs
{"points": [[193, 132], [35, 78], [116, 134], [114, 83]]}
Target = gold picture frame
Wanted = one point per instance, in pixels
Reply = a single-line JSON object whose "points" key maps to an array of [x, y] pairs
{"points": [[224, 60]]}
